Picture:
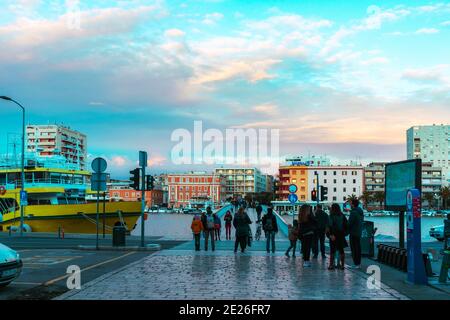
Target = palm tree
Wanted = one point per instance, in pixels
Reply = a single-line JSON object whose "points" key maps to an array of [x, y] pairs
{"points": [[366, 197], [379, 197], [445, 196], [351, 197], [428, 197]]}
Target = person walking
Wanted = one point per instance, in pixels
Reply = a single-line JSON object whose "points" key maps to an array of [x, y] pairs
{"points": [[258, 211], [197, 228], [293, 237], [355, 223], [319, 236], [208, 227], [241, 222], [217, 227], [306, 229], [270, 227], [228, 218], [335, 231]]}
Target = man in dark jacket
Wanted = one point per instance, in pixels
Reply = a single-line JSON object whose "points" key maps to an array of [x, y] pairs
{"points": [[270, 227], [322, 219], [208, 228], [258, 211], [355, 224]]}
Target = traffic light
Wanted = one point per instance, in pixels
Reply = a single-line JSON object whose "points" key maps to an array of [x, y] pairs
{"points": [[149, 183], [314, 195], [323, 193], [134, 178]]}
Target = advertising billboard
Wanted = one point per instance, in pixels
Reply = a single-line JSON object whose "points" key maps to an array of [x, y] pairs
{"points": [[400, 177]]}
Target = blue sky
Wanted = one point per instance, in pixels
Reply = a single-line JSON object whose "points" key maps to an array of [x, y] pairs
{"points": [[342, 78]]}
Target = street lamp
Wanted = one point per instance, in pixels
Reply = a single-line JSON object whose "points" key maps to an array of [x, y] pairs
{"points": [[22, 160]]}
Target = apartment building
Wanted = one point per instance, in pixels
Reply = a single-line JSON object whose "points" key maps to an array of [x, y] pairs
{"points": [[242, 181]]}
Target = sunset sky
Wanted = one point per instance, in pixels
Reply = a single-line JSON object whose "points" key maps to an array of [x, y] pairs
{"points": [[342, 78]]}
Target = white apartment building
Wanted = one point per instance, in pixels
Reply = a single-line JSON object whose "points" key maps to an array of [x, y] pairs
{"points": [[52, 140], [341, 181], [242, 181], [431, 144]]}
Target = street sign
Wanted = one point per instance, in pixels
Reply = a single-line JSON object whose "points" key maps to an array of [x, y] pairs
{"points": [[23, 198], [98, 181], [2, 190], [293, 188], [292, 198], [99, 165], [143, 159]]}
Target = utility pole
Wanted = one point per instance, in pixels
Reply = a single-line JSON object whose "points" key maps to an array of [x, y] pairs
{"points": [[143, 164], [317, 188]]}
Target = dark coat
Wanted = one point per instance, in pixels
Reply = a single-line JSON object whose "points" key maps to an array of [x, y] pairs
{"points": [[241, 224], [307, 228], [322, 220], [355, 222], [337, 227], [274, 222]]}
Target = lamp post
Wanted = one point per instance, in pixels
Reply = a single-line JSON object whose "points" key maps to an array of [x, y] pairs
{"points": [[22, 160]]}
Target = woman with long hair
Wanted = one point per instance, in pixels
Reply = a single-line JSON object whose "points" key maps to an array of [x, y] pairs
{"points": [[336, 231], [306, 229], [241, 222]]}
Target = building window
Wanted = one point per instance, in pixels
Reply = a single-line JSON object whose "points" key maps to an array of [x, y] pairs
{"points": [[334, 173], [344, 181]]}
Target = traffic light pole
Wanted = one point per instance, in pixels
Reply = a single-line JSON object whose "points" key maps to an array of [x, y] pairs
{"points": [[317, 188], [142, 206]]}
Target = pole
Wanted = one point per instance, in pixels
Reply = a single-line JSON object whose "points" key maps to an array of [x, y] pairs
{"points": [[402, 229], [23, 169], [104, 213], [142, 206], [317, 188], [97, 218]]}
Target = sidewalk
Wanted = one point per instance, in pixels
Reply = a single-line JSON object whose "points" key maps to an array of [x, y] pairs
{"points": [[181, 273]]}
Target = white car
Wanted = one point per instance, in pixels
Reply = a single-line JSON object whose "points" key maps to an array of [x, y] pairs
{"points": [[10, 265], [437, 232]]}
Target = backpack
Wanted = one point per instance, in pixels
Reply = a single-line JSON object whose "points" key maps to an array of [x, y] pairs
{"points": [[210, 221], [268, 226]]}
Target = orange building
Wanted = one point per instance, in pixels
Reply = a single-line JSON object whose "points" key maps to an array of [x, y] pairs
{"points": [[297, 175], [152, 198]]}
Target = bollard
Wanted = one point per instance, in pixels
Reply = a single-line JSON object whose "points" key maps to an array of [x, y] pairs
{"points": [[59, 232], [380, 246], [443, 275], [404, 261], [398, 257], [62, 232]]}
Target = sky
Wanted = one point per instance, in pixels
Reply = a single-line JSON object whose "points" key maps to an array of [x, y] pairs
{"points": [[341, 78]]}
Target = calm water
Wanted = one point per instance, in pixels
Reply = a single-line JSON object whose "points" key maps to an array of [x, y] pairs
{"points": [[388, 227]]}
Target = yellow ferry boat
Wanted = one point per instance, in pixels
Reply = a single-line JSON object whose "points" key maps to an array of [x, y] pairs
{"points": [[57, 200]]}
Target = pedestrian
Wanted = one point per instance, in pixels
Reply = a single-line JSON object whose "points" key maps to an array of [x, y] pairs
{"points": [[217, 227], [336, 231], [355, 224], [208, 228], [197, 228], [241, 222], [270, 227], [319, 236], [228, 218], [306, 229], [258, 211], [293, 237]]}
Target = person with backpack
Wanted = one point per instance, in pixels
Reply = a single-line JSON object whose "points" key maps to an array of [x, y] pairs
{"points": [[355, 223], [197, 228], [319, 236], [293, 237], [228, 218], [241, 222], [217, 227], [336, 231], [208, 227], [270, 227], [306, 229]]}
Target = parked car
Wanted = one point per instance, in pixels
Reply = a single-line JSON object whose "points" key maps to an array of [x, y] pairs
{"points": [[437, 232], [10, 265], [153, 209]]}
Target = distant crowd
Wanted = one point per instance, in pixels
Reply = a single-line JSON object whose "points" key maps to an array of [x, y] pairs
{"points": [[311, 228]]}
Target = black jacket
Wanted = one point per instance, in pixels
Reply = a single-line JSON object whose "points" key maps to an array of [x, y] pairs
{"points": [[274, 222], [307, 228]]}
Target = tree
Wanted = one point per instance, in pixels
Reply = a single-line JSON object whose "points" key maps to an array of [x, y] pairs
{"points": [[379, 197], [445, 196], [351, 197], [428, 197], [366, 197]]}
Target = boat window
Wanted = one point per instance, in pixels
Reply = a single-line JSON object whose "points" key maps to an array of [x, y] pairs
{"points": [[13, 177], [66, 178], [55, 177], [39, 177], [8, 205], [62, 200], [78, 179], [2, 178], [28, 176]]}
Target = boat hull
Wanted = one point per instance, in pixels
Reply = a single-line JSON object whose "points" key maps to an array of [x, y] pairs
{"points": [[75, 218]]}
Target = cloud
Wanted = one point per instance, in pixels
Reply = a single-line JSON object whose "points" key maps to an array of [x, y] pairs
{"points": [[427, 31], [156, 160], [445, 23], [174, 33], [212, 18], [435, 73]]}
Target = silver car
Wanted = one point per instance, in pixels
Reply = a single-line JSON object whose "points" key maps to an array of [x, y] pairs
{"points": [[10, 265], [437, 232]]}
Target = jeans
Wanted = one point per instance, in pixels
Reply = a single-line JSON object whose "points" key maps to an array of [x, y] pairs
{"points": [[293, 246], [270, 240], [319, 239], [242, 240], [209, 234], [355, 246], [197, 241], [217, 233], [306, 246], [228, 231]]}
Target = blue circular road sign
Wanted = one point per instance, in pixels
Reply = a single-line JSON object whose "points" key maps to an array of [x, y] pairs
{"points": [[293, 188], [292, 198]]}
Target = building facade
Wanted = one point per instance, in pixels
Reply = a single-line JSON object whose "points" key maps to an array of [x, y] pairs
{"points": [[121, 191], [195, 189], [293, 174], [242, 181], [51, 140], [431, 144]]}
